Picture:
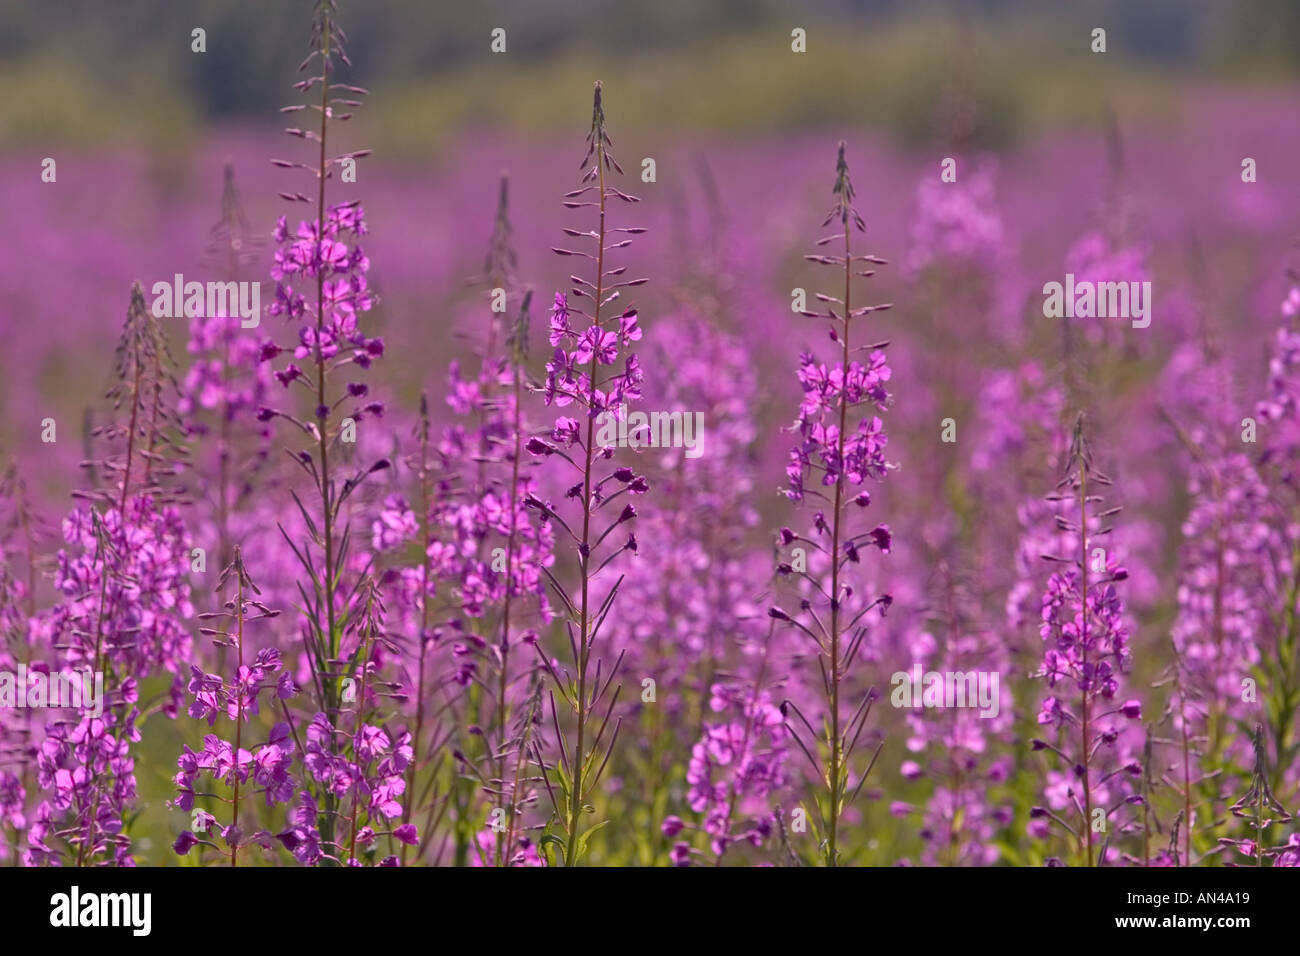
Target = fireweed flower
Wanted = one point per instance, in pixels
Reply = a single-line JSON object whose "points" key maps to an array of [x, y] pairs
{"points": [[1109, 252], [1085, 655], [841, 447], [411, 590], [486, 855], [264, 770], [395, 525], [1261, 808], [1216, 634], [321, 276], [1016, 450], [1278, 415], [124, 573], [361, 771], [1281, 409], [694, 578], [495, 554], [1220, 627], [490, 554], [14, 772], [961, 751], [1019, 410], [146, 595], [957, 221], [473, 523], [591, 374], [17, 606], [219, 395], [739, 763], [966, 289], [123, 579], [1096, 257]]}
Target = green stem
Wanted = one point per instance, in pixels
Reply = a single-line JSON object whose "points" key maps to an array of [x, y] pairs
{"points": [[577, 767], [835, 771], [1083, 643], [330, 680], [239, 708]]}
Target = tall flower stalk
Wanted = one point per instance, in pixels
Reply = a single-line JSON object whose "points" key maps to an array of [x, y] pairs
{"points": [[512, 743], [488, 552], [224, 384], [493, 553], [320, 274], [124, 579], [1259, 806], [418, 591], [1189, 713], [956, 747], [842, 441], [574, 376], [1279, 463], [1220, 622], [17, 607], [229, 762], [1087, 653]]}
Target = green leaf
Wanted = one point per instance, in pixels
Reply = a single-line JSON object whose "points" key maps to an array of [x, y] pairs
{"points": [[563, 778], [581, 849], [547, 840]]}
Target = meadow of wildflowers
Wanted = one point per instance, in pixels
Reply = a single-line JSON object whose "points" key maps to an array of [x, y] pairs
{"points": [[642, 511]]}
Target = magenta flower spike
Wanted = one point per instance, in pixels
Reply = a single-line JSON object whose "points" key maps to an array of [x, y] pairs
{"points": [[841, 447]]}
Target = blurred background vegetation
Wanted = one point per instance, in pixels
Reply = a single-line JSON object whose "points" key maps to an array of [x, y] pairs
{"points": [[87, 72]]}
